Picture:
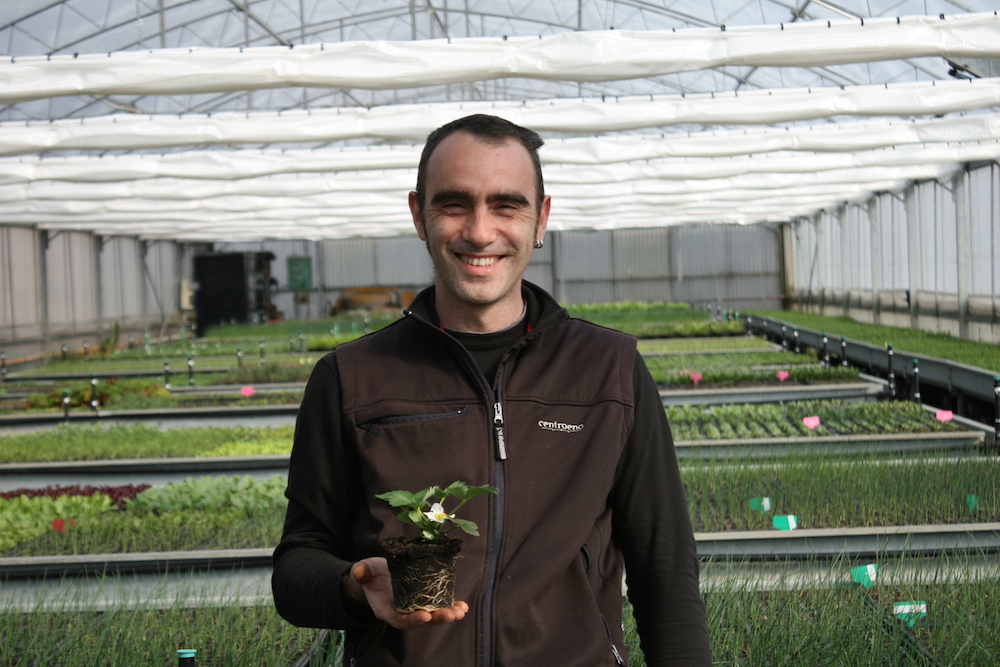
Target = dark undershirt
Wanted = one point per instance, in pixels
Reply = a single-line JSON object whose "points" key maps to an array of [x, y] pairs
{"points": [[487, 349]]}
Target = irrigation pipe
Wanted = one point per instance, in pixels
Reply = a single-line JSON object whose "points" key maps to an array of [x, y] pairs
{"points": [[853, 391], [828, 445]]}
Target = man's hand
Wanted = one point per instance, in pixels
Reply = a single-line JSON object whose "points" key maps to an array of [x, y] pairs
{"points": [[369, 581]]}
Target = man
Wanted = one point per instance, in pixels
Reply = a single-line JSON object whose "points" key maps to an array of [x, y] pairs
{"points": [[488, 381]]}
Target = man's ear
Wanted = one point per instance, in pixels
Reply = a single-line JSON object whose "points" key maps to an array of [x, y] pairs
{"points": [[543, 217], [418, 216]]}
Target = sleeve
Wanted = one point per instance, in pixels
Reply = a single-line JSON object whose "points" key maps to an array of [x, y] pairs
{"points": [[324, 491], [652, 528]]}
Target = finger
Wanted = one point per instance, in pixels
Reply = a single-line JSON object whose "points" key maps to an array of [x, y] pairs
{"points": [[361, 573], [454, 613]]}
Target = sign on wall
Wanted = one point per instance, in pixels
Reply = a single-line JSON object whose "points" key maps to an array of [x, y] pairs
{"points": [[300, 273]]}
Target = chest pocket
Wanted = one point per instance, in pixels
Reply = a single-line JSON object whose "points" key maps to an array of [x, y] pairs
{"points": [[376, 426]]}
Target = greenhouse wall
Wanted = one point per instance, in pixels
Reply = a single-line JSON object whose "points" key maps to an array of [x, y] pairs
{"points": [[927, 257], [73, 288], [737, 266]]}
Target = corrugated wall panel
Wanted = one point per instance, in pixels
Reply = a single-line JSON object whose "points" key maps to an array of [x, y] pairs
{"points": [[587, 292], [402, 262], [640, 253], [20, 316], [347, 263], [982, 234], [699, 251], [584, 256], [652, 289], [71, 282], [540, 269]]}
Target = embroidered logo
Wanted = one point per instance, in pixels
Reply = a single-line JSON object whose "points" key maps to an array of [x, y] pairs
{"points": [[562, 427]]}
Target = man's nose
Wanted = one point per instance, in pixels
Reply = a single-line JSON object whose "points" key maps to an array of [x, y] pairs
{"points": [[479, 230]]}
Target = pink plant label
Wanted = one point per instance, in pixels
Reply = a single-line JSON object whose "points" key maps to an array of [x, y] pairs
{"points": [[61, 525], [944, 415], [247, 391], [696, 377], [811, 422], [782, 375]]}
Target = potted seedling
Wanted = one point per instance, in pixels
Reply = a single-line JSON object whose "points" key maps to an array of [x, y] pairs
{"points": [[423, 567]]}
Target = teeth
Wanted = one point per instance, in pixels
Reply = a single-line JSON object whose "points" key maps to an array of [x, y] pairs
{"points": [[480, 261]]}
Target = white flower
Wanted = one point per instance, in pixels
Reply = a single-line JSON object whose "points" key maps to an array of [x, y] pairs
{"points": [[437, 514]]}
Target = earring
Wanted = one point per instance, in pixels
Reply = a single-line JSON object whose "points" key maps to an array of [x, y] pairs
{"points": [[538, 243]]}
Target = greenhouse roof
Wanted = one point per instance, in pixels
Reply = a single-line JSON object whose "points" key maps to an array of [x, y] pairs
{"points": [[206, 120]]}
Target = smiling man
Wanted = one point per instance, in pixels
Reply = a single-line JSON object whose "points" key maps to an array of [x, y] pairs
{"points": [[480, 208], [487, 380]]}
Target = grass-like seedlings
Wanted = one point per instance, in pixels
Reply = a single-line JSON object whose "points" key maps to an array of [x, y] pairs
{"points": [[784, 420], [861, 492], [942, 346], [83, 442], [147, 628]]}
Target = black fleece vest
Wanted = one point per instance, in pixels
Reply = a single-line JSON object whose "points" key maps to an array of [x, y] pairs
{"points": [[543, 579]]}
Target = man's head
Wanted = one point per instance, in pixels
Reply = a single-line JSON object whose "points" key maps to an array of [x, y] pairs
{"points": [[488, 129], [481, 211]]}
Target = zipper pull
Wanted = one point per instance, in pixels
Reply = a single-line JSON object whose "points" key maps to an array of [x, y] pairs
{"points": [[498, 427]]}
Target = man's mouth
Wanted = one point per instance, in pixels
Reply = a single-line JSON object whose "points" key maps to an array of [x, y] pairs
{"points": [[479, 261]]}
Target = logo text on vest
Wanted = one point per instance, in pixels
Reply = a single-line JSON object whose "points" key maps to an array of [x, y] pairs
{"points": [[559, 426]]}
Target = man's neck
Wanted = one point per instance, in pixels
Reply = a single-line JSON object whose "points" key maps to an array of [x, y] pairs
{"points": [[487, 319]]}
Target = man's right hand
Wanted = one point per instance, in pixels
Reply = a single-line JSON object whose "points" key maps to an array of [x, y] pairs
{"points": [[369, 581]]}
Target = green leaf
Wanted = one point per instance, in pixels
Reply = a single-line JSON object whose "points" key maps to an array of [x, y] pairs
{"points": [[464, 492], [467, 526], [399, 498]]}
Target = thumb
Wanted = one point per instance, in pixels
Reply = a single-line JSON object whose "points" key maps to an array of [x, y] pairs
{"points": [[361, 573]]}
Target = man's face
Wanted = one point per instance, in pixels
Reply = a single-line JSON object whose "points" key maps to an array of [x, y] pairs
{"points": [[480, 223]]}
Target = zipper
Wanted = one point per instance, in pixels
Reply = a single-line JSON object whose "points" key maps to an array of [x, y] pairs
{"points": [[493, 395], [614, 649], [498, 430], [496, 530]]}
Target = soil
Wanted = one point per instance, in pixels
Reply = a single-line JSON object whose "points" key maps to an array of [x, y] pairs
{"points": [[423, 573]]}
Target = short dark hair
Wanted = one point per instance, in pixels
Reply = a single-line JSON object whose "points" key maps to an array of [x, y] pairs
{"points": [[491, 129]]}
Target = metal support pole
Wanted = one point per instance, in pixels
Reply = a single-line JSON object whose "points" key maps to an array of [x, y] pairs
{"points": [[166, 374], [913, 252], [843, 352], [65, 403], [875, 239], [784, 341], [239, 357], [892, 372], [795, 335], [996, 413], [190, 371], [3, 366], [826, 352], [260, 346], [916, 381], [959, 192]]}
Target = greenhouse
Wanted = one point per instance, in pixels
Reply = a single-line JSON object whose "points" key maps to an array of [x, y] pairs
{"points": [[792, 205]]}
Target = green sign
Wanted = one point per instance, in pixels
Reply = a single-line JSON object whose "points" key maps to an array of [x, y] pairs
{"points": [[300, 273]]}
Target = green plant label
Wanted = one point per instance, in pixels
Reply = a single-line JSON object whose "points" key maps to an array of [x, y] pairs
{"points": [[786, 522], [910, 612], [865, 574], [972, 502], [760, 504]]}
